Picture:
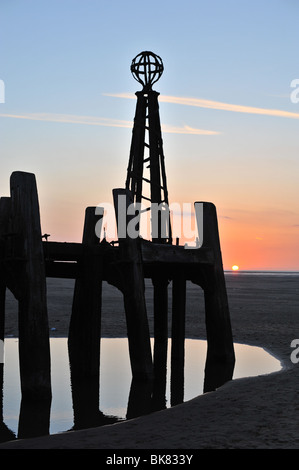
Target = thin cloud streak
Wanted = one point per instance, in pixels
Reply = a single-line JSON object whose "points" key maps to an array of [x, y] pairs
{"points": [[187, 130], [70, 119], [106, 122], [209, 104]]}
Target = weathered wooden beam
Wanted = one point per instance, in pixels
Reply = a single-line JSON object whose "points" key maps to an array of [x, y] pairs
{"points": [[30, 280], [130, 263], [220, 353], [4, 217], [2, 326], [84, 338], [154, 253], [85, 325], [62, 270], [140, 398], [178, 337], [33, 418], [62, 251], [5, 207], [160, 283]]}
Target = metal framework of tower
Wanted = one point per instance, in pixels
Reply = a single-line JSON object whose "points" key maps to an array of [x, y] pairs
{"points": [[146, 151]]}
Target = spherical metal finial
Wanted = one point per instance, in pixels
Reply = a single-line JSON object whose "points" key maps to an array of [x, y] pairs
{"points": [[147, 68]]}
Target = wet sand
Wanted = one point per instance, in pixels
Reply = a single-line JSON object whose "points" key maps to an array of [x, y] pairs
{"points": [[248, 413]]}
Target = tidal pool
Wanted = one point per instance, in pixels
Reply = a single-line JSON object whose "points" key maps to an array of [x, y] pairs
{"points": [[116, 379]]}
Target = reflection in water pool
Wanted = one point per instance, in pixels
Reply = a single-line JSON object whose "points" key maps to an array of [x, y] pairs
{"points": [[117, 395]]}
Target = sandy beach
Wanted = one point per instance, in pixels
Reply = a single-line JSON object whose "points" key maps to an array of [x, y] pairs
{"points": [[250, 413]]}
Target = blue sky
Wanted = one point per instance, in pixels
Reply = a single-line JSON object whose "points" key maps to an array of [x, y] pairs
{"points": [[68, 110]]}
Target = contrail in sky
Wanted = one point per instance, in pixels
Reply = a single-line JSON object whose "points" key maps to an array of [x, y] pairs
{"points": [[201, 103], [106, 122]]}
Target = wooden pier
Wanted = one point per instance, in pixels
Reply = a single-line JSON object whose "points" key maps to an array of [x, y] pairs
{"points": [[26, 260]]}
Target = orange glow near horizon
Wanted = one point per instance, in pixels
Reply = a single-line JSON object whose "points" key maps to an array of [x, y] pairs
{"points": [[256, 245], [255, 237], [235, 267]]}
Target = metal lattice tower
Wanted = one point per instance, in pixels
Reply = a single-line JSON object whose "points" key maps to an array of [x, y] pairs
{"points": [[147, 145]]}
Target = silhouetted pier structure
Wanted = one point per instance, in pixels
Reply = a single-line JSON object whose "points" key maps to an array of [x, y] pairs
{"points": [[26, 260]]}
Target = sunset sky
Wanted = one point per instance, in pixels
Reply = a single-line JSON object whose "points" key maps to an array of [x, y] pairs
{"points": [[230, 128]]}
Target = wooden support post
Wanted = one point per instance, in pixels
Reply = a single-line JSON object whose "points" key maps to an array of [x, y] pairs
{"points": [[34, 418], [2, 329], [133, 290], [30, 288], [85, 324], [84, 337], [5, 433], [160, 283], [2, 326], [220, 353], [5, 207], [140, 398], [4, 216], [178, 338]]}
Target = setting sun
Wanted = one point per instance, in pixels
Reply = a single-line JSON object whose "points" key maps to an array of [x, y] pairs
{"points": [[235, 267]]}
